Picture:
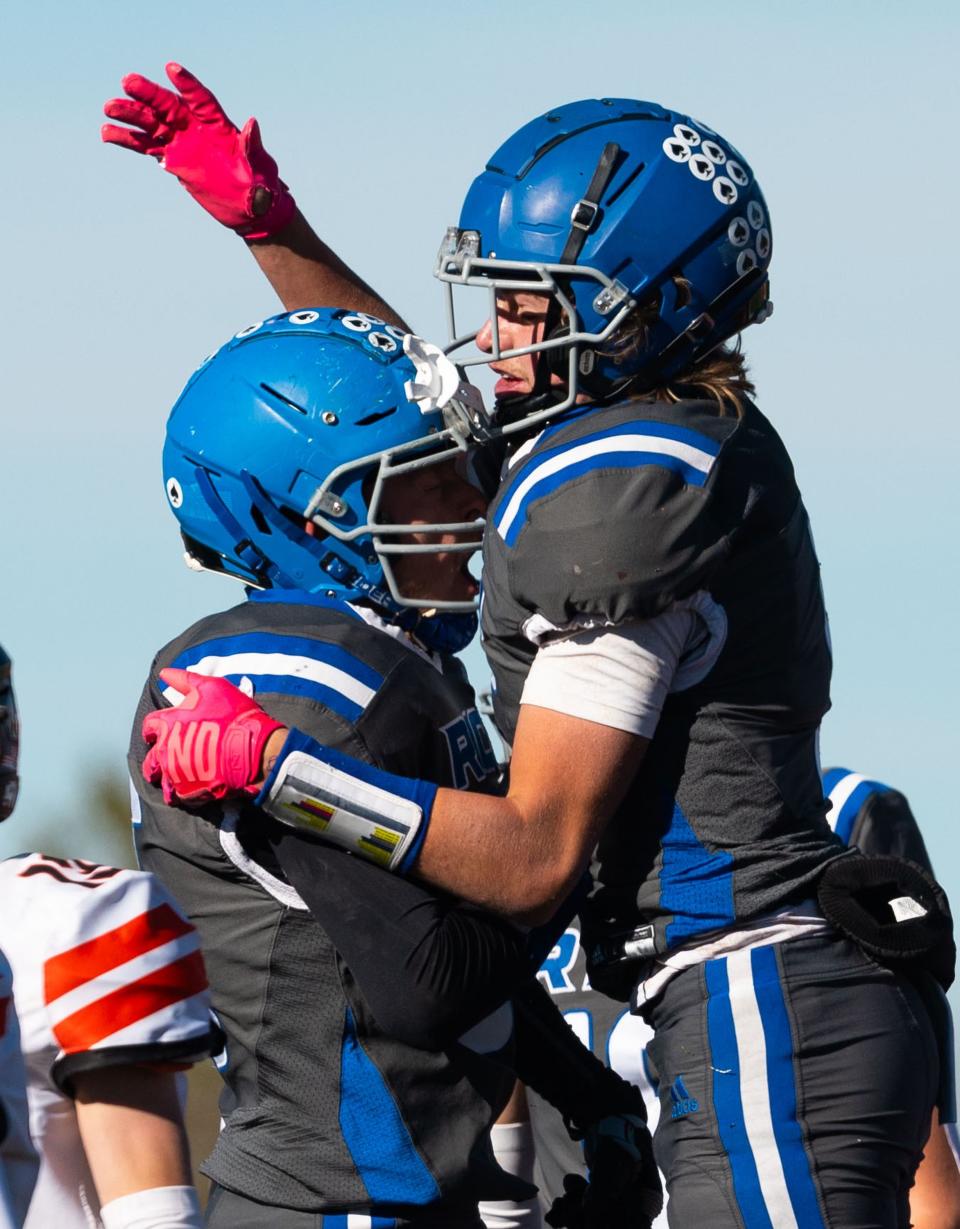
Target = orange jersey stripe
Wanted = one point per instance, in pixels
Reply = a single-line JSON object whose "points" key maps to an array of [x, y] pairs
{"points": [[86, 961], [128, 1004]]}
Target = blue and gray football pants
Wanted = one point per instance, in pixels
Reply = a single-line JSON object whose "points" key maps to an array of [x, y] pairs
{"points": [[797, 1083]]}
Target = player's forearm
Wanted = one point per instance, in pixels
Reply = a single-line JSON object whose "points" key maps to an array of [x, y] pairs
{"points": [[305, 272], [507, 854]]}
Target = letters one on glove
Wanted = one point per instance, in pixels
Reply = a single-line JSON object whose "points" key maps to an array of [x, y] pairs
{"points": [[225, 170], [210, 745]]}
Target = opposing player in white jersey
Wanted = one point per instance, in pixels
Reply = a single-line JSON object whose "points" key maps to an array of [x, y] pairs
{"points": [[111, 995]]}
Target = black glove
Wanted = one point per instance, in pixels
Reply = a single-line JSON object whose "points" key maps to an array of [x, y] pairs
{"points": [[624, 1186]]}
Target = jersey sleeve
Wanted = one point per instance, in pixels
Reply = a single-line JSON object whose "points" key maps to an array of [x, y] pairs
{"points": [[618, 524], [874, 817], [123, 979]]}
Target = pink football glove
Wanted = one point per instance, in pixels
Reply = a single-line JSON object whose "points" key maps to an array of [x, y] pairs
{"points": [[209, 746], [228, 172]]}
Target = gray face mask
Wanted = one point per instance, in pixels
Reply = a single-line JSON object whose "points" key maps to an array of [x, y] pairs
{"points": [[9, 740]]}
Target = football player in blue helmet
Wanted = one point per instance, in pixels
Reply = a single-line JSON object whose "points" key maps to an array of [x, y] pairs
{"points": [[655, 624], [303, 492], [620, 241], [306, 458]]}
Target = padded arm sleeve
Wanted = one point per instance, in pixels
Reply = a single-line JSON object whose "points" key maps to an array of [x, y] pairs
{"points": [[429, 966]]}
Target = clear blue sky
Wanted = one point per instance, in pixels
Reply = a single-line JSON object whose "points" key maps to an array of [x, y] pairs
{"points": [[116, 285]]}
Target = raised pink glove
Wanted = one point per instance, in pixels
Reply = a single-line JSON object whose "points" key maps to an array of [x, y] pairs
{"points": [[227, 171], [209, 746]]}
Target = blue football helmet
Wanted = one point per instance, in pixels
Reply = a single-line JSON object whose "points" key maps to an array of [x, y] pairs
{"points": [[601, 205], [302, 418]]}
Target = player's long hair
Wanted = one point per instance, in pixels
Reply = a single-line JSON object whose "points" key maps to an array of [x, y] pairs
{"points": [[721, 376]]}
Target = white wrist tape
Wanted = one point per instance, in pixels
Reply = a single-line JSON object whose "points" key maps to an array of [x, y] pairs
{"points": [[160, 1207], [363, 818]]}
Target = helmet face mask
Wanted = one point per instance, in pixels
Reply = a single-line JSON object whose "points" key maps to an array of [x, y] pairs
{"points": [[604, 207], [499, 278], [282, 447]]}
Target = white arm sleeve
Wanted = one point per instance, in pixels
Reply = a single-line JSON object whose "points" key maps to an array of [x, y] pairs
{"points": [[621, 675], [161, 1207]]}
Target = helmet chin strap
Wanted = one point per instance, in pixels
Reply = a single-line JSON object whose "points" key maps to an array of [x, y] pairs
{"points": [[448, 633], [546, 363]]}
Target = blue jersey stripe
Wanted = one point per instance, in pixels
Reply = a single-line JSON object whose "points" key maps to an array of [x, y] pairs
{"points": [[389, 1165], [781, 1080], [832, 778], [291, 685], [611, 460], [728, 1104], [695, 886], [510, 517], [300, 597], [294, 646], [844, 820], [289, 665]]}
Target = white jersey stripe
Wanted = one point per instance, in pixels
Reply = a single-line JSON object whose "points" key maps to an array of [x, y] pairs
{"points": [[755, 1091], [216, 666], [172, 1023], [122, 975], [839, 795], [694, 457]]}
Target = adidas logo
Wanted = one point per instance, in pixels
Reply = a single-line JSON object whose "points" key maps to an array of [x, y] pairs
{"points": [[683, 1103]]}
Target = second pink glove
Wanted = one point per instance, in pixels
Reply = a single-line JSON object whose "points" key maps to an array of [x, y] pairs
{"points": [[209, 746], [225, 170]]}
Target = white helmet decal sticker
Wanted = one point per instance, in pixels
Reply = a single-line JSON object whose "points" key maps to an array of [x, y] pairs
{"points": [[676, 150], [702, 167], [688, 135]]}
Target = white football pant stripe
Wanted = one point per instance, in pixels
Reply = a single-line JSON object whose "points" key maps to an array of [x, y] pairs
{"points": [[755, 1091]]}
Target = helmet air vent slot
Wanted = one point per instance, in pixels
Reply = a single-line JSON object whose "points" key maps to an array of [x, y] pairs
{"points": [[369, 419], [272, 392], [626, 184]]}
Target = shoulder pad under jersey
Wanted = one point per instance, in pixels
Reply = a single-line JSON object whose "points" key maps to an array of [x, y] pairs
{"points": [[107, 968], [614, 514]]}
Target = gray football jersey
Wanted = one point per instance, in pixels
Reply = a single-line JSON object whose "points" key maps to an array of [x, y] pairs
{"points": [[614, 513], [322, 1110]]}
